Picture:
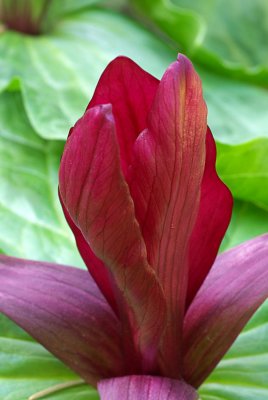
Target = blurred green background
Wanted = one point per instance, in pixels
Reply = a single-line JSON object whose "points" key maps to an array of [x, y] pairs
{"points": [[46, 81]]}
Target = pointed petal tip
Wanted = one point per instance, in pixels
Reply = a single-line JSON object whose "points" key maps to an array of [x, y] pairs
{"points": [[105, 110], [185, 62], [182, 58], [121, 58]]}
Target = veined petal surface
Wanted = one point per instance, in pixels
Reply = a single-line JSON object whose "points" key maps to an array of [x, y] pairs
{"points": [[97, 198], [165, 182], [213, 218], [96, 267], [233, 290], [63, 309]]}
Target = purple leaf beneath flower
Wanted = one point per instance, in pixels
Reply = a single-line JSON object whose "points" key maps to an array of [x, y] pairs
{"points": [[63, 309], [235, 287]]}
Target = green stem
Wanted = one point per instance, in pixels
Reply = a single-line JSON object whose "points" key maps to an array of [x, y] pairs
{"points": [[55, 388]]}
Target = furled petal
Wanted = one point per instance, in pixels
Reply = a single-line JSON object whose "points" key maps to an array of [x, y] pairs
{"points": [[214, 215], [233, 290], [131, 91], [63, 309], [97, 198], [165, 181], [144, 387]]}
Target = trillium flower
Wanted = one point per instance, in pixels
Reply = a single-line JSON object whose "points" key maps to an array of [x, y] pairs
{"points": [[138, 186]]}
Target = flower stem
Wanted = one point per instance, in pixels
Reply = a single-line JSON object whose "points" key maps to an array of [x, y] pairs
{"points": [[55, 388]]}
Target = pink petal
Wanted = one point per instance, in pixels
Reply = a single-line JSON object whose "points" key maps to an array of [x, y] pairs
{"points": [[63, 309], [214, 215], [165, 182], [144, 387], [97, 198], [131, 91], [234, 289]]}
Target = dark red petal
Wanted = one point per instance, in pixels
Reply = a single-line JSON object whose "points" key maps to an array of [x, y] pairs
{"points": [[233, 290], [165, 183], [144, 387], [214, 215], [63, 309], [97, 198], [131, 91], [96, 267]]}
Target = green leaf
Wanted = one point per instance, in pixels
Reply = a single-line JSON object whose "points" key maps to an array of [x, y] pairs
{"points": [[57, 72], [244, 169], [32, 223], [59, 8], [247, 222], [26, 368], [237, 111], [228, 35]]}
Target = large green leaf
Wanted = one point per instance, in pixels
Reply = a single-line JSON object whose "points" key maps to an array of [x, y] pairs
{"points": [[237, 111], [32, 224], [56, 85], [57, 72], [244, 168], [227, 35]]}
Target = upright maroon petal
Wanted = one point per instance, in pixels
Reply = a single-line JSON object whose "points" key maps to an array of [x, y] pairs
{"points": [[63, 309], [231, 293], [165, 183], [97, 198], [214, 215], [144, 387], [131, 91]]}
